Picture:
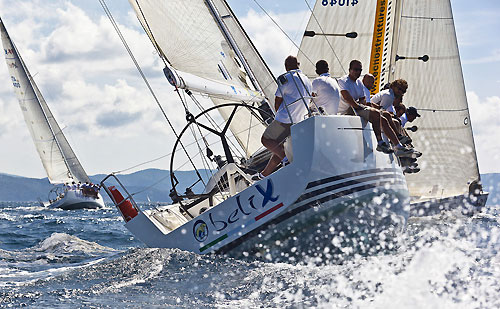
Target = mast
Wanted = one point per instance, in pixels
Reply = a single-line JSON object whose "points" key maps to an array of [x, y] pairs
{"points": [[39, 98], [231, 42], [206, 58]]}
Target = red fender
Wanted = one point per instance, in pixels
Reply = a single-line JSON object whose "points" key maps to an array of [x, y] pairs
{"points": [[128, 211]]}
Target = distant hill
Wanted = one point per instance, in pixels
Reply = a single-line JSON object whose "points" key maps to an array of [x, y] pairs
{"points": [[153, 184], [20, 189]]}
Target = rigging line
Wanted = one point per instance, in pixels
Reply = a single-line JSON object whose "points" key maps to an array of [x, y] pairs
{"points": [[152, 160], [442, 110], [143, 163], [117, 29], [206, 164], [186, 110], [283, 31], [151, 186], [167, 155], [151, 36], [115, 25], [180, 142], [326, 38], [425, 17], [214, 123], [248, 134]]}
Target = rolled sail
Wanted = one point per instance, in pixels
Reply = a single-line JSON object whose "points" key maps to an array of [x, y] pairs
{"points": [[189, 36]]}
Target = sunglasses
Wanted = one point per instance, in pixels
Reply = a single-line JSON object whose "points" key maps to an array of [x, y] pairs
{"points": [[403, 90], [357, 69]]}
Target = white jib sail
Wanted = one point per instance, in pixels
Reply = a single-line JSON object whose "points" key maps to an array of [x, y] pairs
{"points": [[56, 155], [412, 29], [336, 19], [191, 41], [436, 89]]}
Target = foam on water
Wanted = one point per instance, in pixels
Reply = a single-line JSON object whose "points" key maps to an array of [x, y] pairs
{"points": [[442, 261]]}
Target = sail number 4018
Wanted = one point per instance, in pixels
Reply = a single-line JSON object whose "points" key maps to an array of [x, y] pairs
{"points": [[339, 2]]}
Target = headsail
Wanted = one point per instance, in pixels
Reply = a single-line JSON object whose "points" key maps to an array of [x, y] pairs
{"points": [[325, 37], [190, 37], [57, 157], [436, 88], [389, 30]]}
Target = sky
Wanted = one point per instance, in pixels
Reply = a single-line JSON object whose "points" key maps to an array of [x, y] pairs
{"points": [[111, 119]]}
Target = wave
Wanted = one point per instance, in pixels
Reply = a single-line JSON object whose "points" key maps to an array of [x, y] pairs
{"points": [[443, 261], [58, 253]]}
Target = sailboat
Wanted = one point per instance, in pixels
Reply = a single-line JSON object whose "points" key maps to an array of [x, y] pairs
{"points": [[73, 189], [416, 41], [335, 185]]}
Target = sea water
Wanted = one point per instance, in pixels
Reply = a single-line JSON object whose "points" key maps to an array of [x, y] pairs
{"points": [[86, 258]]}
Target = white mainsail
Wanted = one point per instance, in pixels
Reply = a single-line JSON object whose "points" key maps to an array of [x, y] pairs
{"points": [[197, 42], [436, 89], [411, 29], [57, 157]]}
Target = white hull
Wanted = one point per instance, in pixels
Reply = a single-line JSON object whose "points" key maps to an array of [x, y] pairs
{"points": [[335, 174], [73, 199]]}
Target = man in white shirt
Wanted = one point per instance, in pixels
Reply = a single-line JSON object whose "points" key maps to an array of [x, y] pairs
{"points": [[368, 82], [386, 99], [352, 95], [410, 115], [291, 101], [326, 91]]}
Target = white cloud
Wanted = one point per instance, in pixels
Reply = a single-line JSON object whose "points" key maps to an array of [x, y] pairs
{"points": [[494, 56], [485, 115], [272, 44], [92, 88]]}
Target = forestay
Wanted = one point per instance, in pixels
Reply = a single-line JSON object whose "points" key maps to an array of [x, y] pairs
{"points": [[436, 88], [189, 36], [57, 157]]}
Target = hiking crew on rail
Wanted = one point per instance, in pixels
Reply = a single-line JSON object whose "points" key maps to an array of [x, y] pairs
{"points": [[297, 97]]}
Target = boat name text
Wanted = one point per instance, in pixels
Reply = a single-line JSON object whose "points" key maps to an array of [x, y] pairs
{"points": [[200, 228]]}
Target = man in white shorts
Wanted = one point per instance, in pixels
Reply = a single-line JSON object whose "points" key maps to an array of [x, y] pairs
{"points": [[292, 98], [326, 91], [352, 96]]}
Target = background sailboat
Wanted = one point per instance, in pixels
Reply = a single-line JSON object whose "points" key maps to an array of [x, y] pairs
{"points": [[415, 41], [58, 159]]}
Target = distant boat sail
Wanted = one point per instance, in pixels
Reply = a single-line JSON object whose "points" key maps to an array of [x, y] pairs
{"points": [[58, 159], [416, 41]]}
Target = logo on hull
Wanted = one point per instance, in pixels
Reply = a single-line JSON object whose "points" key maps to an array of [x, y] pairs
{"points": [[200, 230]]}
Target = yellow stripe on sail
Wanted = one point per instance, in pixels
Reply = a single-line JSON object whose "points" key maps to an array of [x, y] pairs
{"points": [[378, 43]]}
